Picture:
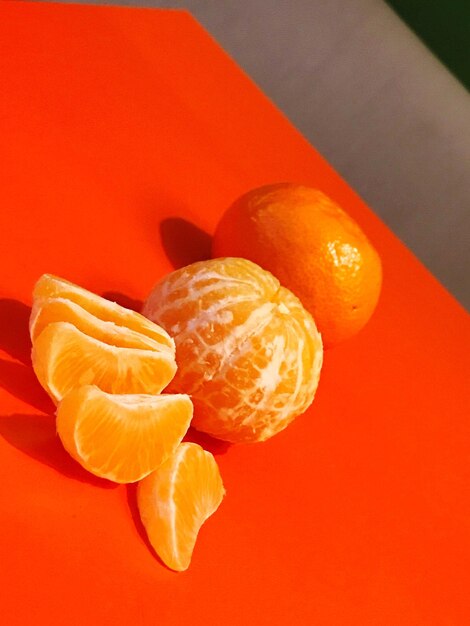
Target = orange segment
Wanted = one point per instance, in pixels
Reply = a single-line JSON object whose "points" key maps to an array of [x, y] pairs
{"points": [[49, 286], [176, 499], [121, 437], [65, 358], [49, 310]]}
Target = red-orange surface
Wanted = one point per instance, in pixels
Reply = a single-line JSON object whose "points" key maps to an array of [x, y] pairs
{"points": [[122, 133]]}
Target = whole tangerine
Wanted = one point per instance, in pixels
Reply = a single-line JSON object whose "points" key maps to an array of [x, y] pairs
{"points": [[313, 247]]}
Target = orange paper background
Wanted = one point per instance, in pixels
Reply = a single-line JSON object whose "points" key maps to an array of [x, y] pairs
{"points": [[123, 135]]}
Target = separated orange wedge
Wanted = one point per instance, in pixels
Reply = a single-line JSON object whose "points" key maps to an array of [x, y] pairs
{"points": [[122, 437], [65, 358], [81, 338], [176, 499], [50, 310], [49, 286]]}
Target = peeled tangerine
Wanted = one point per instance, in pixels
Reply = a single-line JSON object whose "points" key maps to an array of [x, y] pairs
{"points": [[80, 339], [122, 437], [248, 352], [176, 499]]}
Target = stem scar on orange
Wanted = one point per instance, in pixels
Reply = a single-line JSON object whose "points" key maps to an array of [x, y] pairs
{"points": [[313, 247]]}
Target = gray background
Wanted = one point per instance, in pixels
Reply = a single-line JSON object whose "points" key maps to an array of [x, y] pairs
{"points": [[373, 100]]}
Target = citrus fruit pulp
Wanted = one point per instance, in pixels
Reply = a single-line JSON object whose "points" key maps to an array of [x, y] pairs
{"points": [[51, 310], [49, 286], [176, 499], [65, 358], [80, 338], [121, 437], [247, 351]]}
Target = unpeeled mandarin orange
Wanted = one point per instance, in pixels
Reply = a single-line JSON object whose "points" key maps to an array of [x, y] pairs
{"points": [[313, 247], [248, 352]]}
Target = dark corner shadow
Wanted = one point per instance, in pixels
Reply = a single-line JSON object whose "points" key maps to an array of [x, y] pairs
{"points": [[211, 444], [35, 436], [14, 329], [123, 300], [21, 382], [184, 242]]}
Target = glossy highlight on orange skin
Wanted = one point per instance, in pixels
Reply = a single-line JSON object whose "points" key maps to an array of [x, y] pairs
{"points": [[248, 352], [313, 247]]}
